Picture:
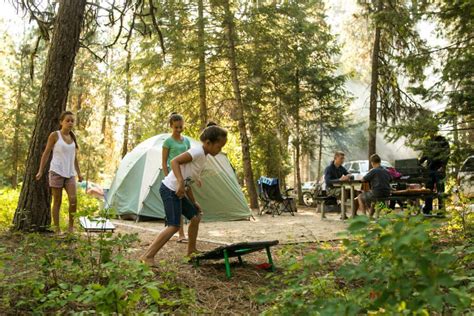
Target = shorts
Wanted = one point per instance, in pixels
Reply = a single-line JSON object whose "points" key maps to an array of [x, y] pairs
{"points": [[369, 197], [58, 182], [175, 207], [336, 192]]}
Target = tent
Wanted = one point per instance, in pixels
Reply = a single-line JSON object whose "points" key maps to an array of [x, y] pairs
{"points": [[135, 188]]}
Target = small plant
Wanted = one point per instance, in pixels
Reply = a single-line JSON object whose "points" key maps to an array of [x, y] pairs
{"points": [[392, 266], [49, 275]]}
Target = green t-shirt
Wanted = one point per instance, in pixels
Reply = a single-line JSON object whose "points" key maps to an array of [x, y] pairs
{"points": [[176, 148]]}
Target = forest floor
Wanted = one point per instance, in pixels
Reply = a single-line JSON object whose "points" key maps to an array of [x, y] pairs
{"points": [[215, 294], [305, 226]]}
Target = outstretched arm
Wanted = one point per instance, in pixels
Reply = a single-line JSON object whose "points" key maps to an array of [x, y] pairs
{"points": [[52, 139]]}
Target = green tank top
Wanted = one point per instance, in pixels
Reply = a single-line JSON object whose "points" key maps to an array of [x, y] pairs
{"points": [[175, 148]]}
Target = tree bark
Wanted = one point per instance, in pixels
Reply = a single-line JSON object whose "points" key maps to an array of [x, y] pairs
{"points": [[373, 89], [297, 138], [202, 66], [16, 135], [107, 99], [244, 140], [127, 105], [320, 149], [33, 211]]}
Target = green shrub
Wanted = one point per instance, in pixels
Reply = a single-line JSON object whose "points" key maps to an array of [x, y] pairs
{"points": [[393, 266], [49, 275], [86, 205], [8, 202]]}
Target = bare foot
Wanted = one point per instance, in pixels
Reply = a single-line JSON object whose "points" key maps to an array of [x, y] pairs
{"points": [[193, 253], [182, 240]]}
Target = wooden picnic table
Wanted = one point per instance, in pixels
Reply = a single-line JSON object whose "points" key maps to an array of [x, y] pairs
{"points": [[352, 185]]}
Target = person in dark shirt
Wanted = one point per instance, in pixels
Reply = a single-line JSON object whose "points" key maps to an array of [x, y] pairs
{"points": [[379, 180], [436, 155], [335, 171]]}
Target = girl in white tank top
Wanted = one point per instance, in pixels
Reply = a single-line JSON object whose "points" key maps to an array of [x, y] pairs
{"points": [[63, 168]]}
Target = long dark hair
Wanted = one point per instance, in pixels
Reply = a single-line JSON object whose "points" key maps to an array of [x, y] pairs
{"points": [[213, 133], [175, 117], [71, 133]]}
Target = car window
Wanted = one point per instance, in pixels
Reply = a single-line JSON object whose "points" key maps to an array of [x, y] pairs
{"points": [[355, 167], [468, 165], [364, 166], [347, 165]]}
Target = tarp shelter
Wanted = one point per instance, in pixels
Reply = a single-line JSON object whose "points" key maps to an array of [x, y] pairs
{"points": [[135, 188]]}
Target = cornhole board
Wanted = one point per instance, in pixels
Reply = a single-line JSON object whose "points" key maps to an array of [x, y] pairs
{"points": [[96, 224], [236, 250]]}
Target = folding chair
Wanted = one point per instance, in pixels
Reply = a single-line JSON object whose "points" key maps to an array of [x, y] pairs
{"points": [[263, 197], [278, 202]]}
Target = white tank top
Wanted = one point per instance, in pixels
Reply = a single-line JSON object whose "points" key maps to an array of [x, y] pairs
{"points": [[64, 155]]}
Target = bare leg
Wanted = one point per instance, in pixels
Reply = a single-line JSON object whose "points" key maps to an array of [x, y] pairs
{"points": [[71, 194], [192, 234], [362, 206], [57, 199], [149, 256], [182, 236]]}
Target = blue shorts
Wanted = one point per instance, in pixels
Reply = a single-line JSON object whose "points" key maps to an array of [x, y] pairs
{"points": [[175, 207]]}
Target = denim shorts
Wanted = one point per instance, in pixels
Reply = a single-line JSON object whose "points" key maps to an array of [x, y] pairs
{"points": [[175, 207]]}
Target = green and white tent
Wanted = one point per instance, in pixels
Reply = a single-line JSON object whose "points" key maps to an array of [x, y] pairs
{"points": [[135, 188]]}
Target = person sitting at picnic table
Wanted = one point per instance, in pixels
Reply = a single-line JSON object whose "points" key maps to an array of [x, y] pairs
{"points": [[335, 172], [379, 180]]}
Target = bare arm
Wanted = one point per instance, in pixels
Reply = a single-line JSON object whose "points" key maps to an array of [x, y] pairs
{"points": [[52, 139], [164, 160], [190, 195], [76, 165], [182, 159]]}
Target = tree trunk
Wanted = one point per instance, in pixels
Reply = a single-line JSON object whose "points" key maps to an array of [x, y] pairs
{"points": [[320, 151], [33, 211], [127, 105], [373, 89], [16, 135], [107, 99], [202, 66], [247, 163], [297, 139]]}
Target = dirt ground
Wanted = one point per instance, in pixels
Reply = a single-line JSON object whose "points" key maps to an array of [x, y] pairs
{"points": [[215, 294], [305, 226]]}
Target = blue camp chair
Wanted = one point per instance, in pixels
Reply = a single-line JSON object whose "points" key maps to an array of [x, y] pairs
{"points": [[272, 199]]}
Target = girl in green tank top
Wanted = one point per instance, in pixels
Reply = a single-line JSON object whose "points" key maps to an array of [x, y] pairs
{"points": [[174, 146]]}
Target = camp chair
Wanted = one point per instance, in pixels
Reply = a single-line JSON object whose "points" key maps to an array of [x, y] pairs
{"points": [[263, 197], [278, 203]]}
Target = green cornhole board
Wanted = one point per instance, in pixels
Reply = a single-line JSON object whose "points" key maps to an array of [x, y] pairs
{"points": [[237, 250]]}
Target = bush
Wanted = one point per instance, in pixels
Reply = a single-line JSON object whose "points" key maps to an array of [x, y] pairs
{"points": [[87, 205], [8, 202], [49, 275], [393, 266]]}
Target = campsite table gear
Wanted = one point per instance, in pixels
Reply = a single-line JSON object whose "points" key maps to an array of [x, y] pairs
{"points": [[236, 250]]}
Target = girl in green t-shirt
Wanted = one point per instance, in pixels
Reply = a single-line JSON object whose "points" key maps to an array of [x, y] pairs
{"points": [[174, 146]]}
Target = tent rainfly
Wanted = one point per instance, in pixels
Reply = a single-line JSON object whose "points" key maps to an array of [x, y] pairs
{"points": [[135, 188]]}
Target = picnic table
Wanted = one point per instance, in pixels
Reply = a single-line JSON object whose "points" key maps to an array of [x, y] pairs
{"points": [[352, 186], [410, 195]]}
